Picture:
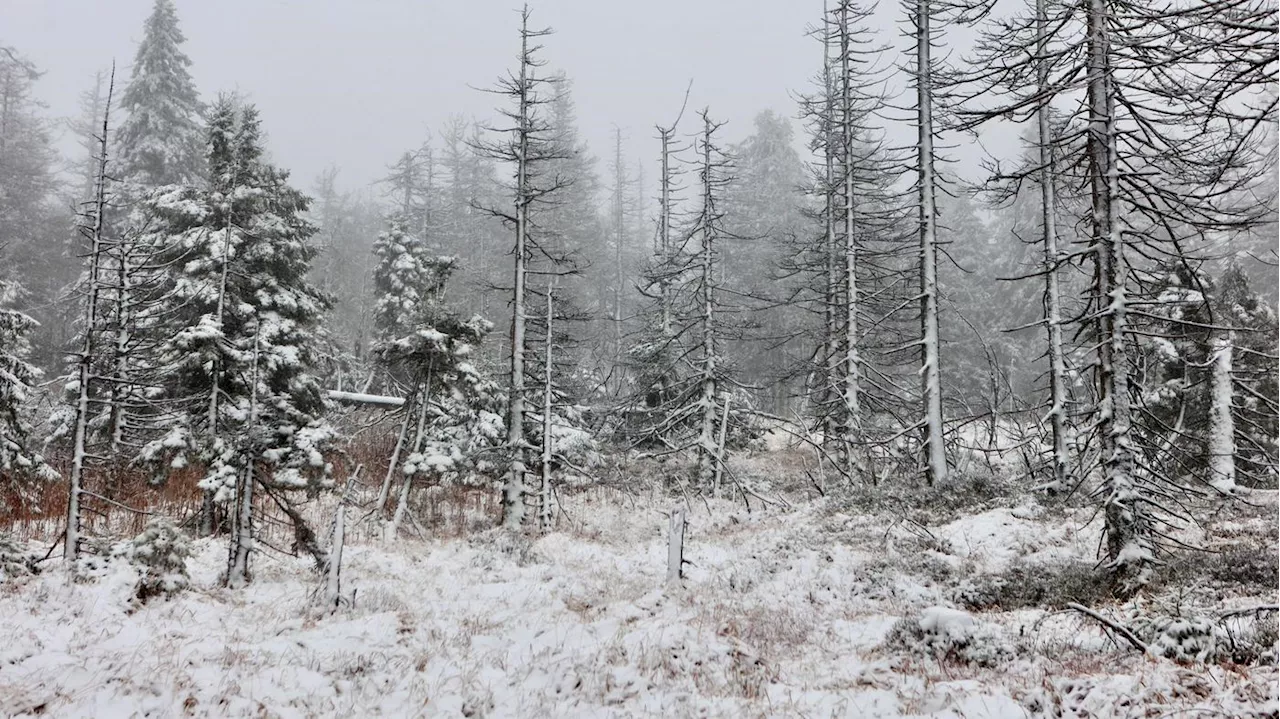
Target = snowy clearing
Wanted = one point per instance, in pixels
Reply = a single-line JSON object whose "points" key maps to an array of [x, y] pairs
{"points": [[780, 614]]}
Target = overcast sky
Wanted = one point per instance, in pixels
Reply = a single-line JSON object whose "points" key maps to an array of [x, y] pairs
{"points": [[354, 83]]}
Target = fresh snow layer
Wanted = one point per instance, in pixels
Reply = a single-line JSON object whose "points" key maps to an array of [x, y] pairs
{"points": [[781, 614]]}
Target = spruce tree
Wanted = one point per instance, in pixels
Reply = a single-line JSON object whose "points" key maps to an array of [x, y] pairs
{"points": [[243, 331], [427, 352], [17, 377], [160, 139]]}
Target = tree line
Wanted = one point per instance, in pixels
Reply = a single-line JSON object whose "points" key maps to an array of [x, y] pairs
{"points": [[1102, 305]]}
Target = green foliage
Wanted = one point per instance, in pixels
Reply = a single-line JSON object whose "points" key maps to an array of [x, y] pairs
{"points": [[239, 315]]}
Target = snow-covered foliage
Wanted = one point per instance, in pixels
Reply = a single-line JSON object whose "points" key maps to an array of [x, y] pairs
{"points": [[160, 555], [1184, 639], [15, 561], [241, 329], [160, 140], [405, 278], [949, 634], [781, 613], [17, 377], [1208, 380], [429, 352]]}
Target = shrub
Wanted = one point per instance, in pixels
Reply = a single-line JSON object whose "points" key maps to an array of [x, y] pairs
{"points": [[1254, 569], [160, 556], [950, 634], [15, 561], [1035, 584], [1184, 638]]}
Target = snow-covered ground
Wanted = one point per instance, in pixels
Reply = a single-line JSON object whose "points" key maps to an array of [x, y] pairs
{"points": [[783, 613]]}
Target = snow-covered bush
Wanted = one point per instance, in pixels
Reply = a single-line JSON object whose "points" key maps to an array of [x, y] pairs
{"points": [[944, 633], [1034, 584], [15, 561], [99, 556], [1265, 641], [1185, 638], [160, 556]]}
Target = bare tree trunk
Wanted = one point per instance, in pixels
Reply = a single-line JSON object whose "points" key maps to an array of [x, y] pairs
{"points": [[544, 489], [707, 300], [1052, 290], [385, 490], [832, 296], [675, 545], [402, 506], [79, 458], [931, 382], [1127, 521], [619, 233], [208, 508], [852, 411], [664, 233], [514, 490], [513, 508], [720, 445], [1222, 439]]}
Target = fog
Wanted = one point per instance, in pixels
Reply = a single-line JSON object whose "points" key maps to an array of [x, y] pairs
{"points": [[353, 84]]}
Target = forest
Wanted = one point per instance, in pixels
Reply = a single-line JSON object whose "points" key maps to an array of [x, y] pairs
{"points": [[787, 416]]}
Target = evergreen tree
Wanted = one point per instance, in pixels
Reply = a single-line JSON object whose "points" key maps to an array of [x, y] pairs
{"points": [[469, 184], [243, 329], [17, 377], [160, 139], [1208, 379], [32, 231], [451, 410], [766, 209], [343, 268]]}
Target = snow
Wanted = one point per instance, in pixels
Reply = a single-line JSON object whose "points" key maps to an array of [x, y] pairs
{"points": [[360, 398], [779, 614]]}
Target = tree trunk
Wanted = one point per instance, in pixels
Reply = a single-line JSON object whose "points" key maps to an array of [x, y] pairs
{"points": [[544, 489], [1052, 290], [71, 547], [852, 409], [1127, 524], [513, 494], [707, 328], [930, 380], [1222, 439]]}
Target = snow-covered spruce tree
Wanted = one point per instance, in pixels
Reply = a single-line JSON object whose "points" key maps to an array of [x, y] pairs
{"points": [[1163, 139], [450, 415], [1207, 371], [532, 148], [158, 144], [17, 377], [160, 139], [243, 336]]}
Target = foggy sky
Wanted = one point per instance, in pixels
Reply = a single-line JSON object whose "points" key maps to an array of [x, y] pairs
{"points": [[354, 83]]}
